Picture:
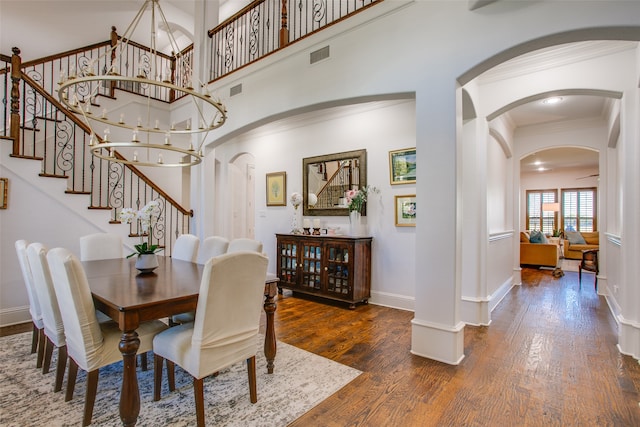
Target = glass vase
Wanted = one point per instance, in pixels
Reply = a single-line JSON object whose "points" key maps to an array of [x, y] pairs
{"points": [[355, 223]]}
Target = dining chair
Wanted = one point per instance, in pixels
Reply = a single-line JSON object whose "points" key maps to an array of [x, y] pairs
{"points": [[244, 244], [37, 337], [211, 247], [186, 248], [589, 262], [53, 327], [225, 330], [100, 246], [90, 345]]}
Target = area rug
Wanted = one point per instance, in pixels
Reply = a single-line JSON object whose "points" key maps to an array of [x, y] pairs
{"points": [[301, 381], [569, 264]]}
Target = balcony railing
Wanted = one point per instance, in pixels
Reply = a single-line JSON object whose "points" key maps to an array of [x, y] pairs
{"points": [[266, 26]]}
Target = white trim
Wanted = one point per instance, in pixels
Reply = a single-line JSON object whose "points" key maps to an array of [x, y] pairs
{"points": [[628, 337], [613, 238], [387, 299], [501, 235], [476, 311], [15, 315], [438, 342]]}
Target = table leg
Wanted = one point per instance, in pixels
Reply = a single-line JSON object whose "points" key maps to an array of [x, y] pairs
{"points": [[130, 395], [270, 333]]}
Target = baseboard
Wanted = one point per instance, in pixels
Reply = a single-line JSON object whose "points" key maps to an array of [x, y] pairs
{"points": [[628, 337], [386, 299], [476, 311], [438, 342], [14, 316]]}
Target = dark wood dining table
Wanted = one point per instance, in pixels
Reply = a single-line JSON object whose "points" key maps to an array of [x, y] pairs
{"points": [[129, 298]]}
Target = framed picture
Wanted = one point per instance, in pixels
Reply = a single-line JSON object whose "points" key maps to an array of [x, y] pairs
{"points": [[402, 166], [406, 211], [277, 189], [4, 192]]}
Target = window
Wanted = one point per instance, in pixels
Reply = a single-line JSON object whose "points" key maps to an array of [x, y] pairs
{"points": [[579, 207], [537, 219]]}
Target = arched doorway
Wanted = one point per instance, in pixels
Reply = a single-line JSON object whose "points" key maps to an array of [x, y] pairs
{"points": [[241, 179]]}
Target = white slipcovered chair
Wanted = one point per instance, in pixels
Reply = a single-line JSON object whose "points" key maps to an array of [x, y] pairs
{"points": [[186, 248], [100, 246], [90, 344], [53, 327], [244, 244], [211, 247], [225, 330], [37, 338]]}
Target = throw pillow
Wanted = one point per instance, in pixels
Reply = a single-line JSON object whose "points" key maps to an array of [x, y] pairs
{"points": [[536, 236], [575, 238]]}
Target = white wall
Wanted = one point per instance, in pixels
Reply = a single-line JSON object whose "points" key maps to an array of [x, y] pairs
{"points": [[378, 128]]}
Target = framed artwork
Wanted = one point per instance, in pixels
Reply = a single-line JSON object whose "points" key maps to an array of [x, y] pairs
{"points": [[4, 192], [402, 166], [277, 189], [406, 211]]}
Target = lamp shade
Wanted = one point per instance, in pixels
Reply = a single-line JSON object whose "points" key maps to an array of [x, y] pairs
{"points": [[551, 207]]}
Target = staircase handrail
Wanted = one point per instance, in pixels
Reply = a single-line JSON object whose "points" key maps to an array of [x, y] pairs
{"points": [[333, 176], [35, 86]]}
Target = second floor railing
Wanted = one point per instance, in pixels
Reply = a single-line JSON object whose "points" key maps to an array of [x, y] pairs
{"points": [[265, 26]]}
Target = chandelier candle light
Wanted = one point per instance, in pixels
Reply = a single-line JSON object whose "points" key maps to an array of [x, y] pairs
{"points": [[152, 143]]}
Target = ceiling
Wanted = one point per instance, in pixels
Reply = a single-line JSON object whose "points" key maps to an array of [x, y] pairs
{"points": [[571, 107]]}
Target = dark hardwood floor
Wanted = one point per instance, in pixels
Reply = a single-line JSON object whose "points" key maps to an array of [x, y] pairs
{"points": [[549, 358]]}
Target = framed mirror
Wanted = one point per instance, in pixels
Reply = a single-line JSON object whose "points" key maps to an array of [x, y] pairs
{"points": [[328, 178]]}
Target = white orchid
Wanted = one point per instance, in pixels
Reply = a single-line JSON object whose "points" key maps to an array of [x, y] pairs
{"points": [[145, 218]]}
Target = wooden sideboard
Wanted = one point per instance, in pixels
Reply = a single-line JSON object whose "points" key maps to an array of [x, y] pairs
{"points": [[333, 267]]}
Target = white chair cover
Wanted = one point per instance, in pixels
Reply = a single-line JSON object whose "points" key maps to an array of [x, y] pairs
{"points": [[90, 344], [244, 244], [34, 304], [53, 326], [227, 319], [211, 247], [100, 246], [186, 248]]}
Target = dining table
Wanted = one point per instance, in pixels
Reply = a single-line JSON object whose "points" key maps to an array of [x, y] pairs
{"points": [[129, 297]]}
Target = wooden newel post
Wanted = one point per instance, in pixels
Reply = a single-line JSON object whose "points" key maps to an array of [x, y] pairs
{"points": [[172, 77], [284, 31], [114, 42], [16, 75]]}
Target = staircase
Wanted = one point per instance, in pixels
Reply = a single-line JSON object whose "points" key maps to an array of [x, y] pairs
{"points": [[37, 128]]}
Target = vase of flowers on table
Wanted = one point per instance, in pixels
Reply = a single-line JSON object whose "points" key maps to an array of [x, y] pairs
{"points": [[146, 252], [356, 200]]}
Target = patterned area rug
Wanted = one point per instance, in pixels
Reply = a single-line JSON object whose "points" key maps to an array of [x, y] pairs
{"points": [[569, 264], [301, 381]]}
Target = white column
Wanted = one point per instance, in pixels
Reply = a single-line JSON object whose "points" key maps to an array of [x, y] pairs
{"points": [[203, 175], [629, 317], [473, 174], [437, 331]]}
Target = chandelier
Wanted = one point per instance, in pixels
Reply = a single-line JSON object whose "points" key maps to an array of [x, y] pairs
{"points": [[147, 138]]}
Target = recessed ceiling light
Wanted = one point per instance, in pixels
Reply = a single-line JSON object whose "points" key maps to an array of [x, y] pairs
{"points": [[537, 163], [541, 169], [552, 100]]}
